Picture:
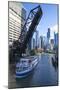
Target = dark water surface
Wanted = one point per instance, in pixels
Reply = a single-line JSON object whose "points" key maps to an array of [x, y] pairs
{"points": [[44, 74]]}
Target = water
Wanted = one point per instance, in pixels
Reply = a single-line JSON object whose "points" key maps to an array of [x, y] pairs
{"points": [[45, 74]]}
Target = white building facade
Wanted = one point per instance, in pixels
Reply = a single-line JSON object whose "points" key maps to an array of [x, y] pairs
{"points": [[16, 20]]}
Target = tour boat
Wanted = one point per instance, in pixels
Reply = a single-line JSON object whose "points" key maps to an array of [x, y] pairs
{"points": [[25, 66]]}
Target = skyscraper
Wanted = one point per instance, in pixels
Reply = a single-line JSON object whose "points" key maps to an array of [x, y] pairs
{"points": [[41, 42], [51, 44], [55, 39], [33, 43], [17, 17], [48, 35], [37, 38], [44, 40]]}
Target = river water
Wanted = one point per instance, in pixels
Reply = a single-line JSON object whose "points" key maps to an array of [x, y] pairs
{"points": [[44, 74]]}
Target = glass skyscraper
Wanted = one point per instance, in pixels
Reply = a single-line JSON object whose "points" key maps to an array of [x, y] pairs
{"points": [[48, 35], [55, 39]]}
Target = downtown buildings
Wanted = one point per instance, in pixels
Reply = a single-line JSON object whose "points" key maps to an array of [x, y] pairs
{"points": [[17, 17], [52, 44], [48, 39], [48, 35], [34, 43], [48, 43], [55, 39]]}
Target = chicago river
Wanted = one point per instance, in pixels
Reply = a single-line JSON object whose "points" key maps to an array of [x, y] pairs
{"points": [[44, 74]]}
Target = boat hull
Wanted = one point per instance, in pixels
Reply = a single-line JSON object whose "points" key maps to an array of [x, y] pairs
{"points": [[26, 72]]}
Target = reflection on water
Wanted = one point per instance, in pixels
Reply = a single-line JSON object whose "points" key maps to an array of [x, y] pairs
{"points": [[55, 62], [23, 82], [44, 74]]}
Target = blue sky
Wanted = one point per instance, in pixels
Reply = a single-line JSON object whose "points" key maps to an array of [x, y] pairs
{"points": [[49, 18]]}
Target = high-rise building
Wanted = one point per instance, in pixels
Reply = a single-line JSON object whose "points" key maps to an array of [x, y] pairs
{"points": [[41, 42], [48, 35], [33, 43], [37, 39], [44, 40], [48, 39], [17, 17], [51, 44], [55, 39]]}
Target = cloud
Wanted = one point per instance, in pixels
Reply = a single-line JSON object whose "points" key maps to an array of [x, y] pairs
{"points": [[55, 28]]}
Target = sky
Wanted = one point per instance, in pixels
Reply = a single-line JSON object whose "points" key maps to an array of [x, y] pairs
{"points": [[49, 18]]}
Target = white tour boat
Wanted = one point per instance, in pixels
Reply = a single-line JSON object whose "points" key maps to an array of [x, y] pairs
{"points": [[25, 66]]}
